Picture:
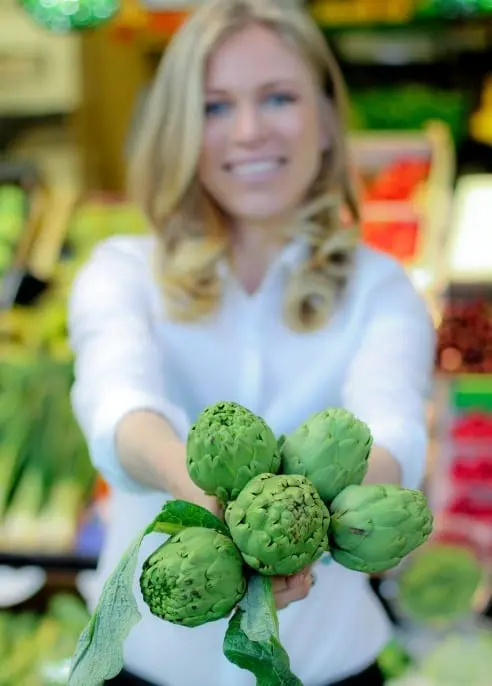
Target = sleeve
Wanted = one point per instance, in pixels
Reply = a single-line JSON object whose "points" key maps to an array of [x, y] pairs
{"points": [[390, 379], [118, 363]]}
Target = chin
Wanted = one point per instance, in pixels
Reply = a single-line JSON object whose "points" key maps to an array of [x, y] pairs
{"points": [[259, 210]]}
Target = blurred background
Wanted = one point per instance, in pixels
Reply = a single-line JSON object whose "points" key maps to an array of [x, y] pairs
{"points": [[73, 74]]}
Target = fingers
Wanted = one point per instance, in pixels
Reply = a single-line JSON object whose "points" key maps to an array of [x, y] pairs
{"points": [[285, 598], [284, 583], [290, 589]]}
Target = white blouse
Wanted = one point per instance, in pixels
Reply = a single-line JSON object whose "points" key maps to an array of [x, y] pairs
{"points": [[375, 358]]}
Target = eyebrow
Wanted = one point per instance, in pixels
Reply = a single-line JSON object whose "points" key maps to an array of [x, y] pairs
{"points": [[279, 83]]}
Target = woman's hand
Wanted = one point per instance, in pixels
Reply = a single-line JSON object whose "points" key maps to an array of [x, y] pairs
{"points": [[153, 455], [185, 489], [288, 589]]}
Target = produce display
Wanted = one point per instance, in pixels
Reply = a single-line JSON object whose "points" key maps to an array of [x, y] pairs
{"points": [[462, 482], [46, 476], [49, 491], [274, 524], [391, 205], [397, 181], [13, 215], [410, 106], [453, 8], [35, 648], [465, 336], [456, 659]]}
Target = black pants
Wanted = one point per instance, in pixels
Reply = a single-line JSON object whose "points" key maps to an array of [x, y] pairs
{"points": [[369, 677]]}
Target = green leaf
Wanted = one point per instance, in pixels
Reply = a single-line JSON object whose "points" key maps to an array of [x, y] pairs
{"points": [[259, 620], [252, 637], [99, 652], [177, 515]]}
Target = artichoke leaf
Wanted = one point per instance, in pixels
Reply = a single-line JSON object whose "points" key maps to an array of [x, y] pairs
{"points": [[98, 655], [252, 637], [99, 652], [177, 515], [259, 620]]}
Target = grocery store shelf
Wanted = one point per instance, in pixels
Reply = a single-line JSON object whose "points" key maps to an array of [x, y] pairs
{"points": [[350, 22], [153, 26], [66, 563]]}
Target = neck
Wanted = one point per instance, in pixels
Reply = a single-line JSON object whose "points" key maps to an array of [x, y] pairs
{"points": [[260, 236], [254, 247]]}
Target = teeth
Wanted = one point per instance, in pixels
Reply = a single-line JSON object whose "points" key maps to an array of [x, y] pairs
{"points": [[251, 168]]}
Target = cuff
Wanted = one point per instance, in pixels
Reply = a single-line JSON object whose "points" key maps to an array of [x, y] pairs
{"points": [[102, 442], [408, 445]]}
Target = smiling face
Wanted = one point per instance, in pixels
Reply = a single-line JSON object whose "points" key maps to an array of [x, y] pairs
{"points": [[263, 138]]}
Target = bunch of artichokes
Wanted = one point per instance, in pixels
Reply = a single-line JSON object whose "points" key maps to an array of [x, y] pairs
{"points": [[287, 502]]}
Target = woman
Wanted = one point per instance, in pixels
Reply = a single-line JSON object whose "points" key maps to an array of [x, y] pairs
{"points": [[250, 290]]}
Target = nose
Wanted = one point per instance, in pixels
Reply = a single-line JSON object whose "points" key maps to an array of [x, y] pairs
{"points": [[248, 126]]}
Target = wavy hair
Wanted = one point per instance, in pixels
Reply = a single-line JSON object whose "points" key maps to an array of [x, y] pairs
{"points": [[192, 237]]}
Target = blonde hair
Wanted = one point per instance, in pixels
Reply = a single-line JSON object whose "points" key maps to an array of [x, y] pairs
{"points": [[192, 238]]}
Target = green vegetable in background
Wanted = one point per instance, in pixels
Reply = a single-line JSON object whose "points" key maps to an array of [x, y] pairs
{"points": [[226, 447], [460, 659], [279, 523], [374, 527], [439, 583], [195, 577], [331, 448]]}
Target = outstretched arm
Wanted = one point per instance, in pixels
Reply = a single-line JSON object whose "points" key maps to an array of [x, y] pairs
{"points": [[135, 434], [390, 380]]}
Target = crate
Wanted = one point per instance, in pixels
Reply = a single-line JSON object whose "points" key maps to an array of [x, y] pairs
{"points": [[411, 225]]}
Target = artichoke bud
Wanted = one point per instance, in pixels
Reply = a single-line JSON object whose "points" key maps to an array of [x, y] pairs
{"points": [[279, 523], [331, 448], [226, 447], [195, 577], [374, 527]]}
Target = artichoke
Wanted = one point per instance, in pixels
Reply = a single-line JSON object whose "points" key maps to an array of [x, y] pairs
{"points": [[374, 527], [279, 523], [226, 447], [195, 577], [331, 448]]}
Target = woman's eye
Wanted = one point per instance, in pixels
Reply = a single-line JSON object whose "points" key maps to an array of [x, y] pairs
{"points": [[214, 109], [280, 99]]}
